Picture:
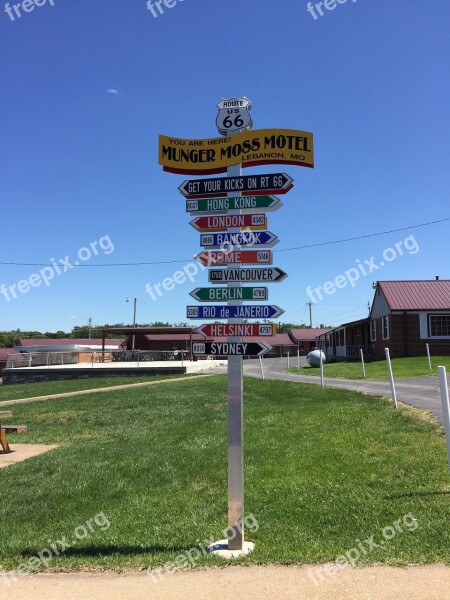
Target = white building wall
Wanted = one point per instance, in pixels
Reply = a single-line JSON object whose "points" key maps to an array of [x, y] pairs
{"points": [[423, 324], [380, 307]]}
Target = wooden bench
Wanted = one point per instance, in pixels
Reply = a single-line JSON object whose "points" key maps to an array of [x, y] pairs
{"points": [[6, 429]]}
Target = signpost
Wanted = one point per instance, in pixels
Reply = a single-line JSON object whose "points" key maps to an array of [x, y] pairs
{"points": [[230, 294], [226, 211], [249, 311], [238, 330], [224, 222], [231, 349], [243, 203], [230, 241], [250, 185], [235, 426], [270, 275], [240, 257]]}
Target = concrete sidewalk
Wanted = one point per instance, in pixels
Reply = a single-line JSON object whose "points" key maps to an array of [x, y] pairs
{"points": [[21, 452], [431, 582]]}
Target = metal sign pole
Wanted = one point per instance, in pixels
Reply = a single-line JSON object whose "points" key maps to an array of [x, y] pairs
{"points": [[361, 353], [445, 406], [262, 368], [429, 358], [235, 428], [391, 376], [321, 369]]}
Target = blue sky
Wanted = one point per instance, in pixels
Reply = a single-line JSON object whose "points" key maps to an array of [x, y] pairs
{"points": [[78, 163]]}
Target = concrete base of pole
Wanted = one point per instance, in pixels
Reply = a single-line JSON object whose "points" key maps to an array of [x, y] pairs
{"points": [[220, 548]]}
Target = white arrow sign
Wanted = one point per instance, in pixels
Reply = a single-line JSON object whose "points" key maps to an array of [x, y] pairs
{"points": [[270, 275], [231, 348]]}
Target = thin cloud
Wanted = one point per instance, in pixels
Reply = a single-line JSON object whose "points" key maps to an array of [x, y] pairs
{"points": [[113, 92]]}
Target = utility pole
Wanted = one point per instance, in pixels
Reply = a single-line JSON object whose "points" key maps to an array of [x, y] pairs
{"points": [[310, 313], [133, 342], [90, 327]]}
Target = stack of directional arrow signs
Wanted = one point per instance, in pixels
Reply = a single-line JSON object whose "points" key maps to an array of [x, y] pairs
{"points": [[241, 240], [230, 214]]}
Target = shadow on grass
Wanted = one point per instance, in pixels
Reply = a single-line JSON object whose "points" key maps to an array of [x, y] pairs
{"points": [[96, 551], [414, 494]]}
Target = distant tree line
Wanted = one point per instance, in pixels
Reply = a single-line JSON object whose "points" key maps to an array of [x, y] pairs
{"points": [[284, 327], [9, 339]]}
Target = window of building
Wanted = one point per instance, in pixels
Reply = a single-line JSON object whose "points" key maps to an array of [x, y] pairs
{"points": [[439, 325], [385, 327], [373, 331]]}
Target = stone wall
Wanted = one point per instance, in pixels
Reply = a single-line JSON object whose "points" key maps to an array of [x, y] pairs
{"points": [[27, 375]]}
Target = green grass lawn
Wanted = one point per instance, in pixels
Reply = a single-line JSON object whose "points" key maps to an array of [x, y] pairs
{"points": [[322, 468], [377, 370], [46, 388]]}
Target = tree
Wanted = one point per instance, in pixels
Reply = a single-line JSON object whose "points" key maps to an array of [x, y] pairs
{"points": [[10, 339], [285, 327]]}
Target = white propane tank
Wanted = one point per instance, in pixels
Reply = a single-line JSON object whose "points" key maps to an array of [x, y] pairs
{"points": [[313, 358]]}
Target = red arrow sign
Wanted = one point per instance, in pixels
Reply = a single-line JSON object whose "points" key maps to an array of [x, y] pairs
{"points": [[243, 257], [238, 330], [224, 222]]}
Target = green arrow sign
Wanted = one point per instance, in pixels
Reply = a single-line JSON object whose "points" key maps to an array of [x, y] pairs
{"points": [[233, 293], [244, 203]]}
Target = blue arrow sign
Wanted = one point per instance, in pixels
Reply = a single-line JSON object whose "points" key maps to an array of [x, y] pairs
{"points": [[244, 238], [234, 312]]}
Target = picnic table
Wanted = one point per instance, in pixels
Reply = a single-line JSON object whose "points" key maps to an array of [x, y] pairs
{"points": [[5, 429]]}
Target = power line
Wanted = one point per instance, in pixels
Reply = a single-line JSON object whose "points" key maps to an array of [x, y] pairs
{"points": [[171, 262], [361, 237]]}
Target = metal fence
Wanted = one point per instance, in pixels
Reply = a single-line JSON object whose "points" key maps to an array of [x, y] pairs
{"points": [[41, 359], [353, 352], [50, 359], [149, 355], [349, 352]]}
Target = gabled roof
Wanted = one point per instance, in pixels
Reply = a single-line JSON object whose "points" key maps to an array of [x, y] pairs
{"points": [[174, 337], [417, 295], [4, 353], [280, 339], [306, 334]]}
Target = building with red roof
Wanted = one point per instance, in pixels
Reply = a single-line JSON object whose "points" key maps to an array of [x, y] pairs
{"points": [[346, 341], [306, 338], [407, 315], [4, 354], [404, 317]]}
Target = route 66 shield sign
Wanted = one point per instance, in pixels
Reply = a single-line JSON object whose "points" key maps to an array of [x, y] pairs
{"points": [[234, 116]]}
